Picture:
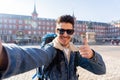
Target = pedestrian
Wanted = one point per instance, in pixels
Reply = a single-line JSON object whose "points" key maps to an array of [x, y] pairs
{"points": [[65, 55]]}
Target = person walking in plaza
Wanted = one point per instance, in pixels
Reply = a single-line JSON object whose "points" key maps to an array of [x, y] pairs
{"points": [[64, 55]]}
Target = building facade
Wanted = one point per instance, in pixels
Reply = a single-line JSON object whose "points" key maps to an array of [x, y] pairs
{"points": [[30, 29]]}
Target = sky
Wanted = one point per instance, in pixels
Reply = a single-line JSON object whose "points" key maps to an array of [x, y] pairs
{"points": [[86, 10]]}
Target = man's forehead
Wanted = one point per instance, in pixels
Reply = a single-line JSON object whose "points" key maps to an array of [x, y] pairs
{"points": [[63, 24]]}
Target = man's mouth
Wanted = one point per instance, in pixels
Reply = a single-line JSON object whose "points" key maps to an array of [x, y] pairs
{"points": [[64, 38]]}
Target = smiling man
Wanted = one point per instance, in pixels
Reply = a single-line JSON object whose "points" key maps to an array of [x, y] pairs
{"points": [[60, 54]]}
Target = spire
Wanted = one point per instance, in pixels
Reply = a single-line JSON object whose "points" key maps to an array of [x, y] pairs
{"points": [[34, 11], [74, 16]]}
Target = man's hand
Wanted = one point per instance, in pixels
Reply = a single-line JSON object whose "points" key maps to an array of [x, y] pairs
{"points": [[0, 47], [85, 50], [0, 52], [3, 59]]}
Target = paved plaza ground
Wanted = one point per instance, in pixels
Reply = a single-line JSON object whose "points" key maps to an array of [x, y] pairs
{"points": [[110, 55]]}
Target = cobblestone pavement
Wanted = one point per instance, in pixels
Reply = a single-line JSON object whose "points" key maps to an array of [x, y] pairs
{"points": [[110, 55]]}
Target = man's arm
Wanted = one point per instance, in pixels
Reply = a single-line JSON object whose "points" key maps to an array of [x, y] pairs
{"points": [[15, 59], [91, 60], [95, 64]]}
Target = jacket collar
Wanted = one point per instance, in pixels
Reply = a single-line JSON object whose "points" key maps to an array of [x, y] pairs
{"points": [[57, 45]]}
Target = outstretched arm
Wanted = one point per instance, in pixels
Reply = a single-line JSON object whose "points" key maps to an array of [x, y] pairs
{"points": [[20, 59]]}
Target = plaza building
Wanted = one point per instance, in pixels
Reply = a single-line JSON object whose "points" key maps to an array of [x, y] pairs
{"points": [[30, 29]]}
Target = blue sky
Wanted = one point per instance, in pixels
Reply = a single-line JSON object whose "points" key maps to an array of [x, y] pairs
{"points": [[88, 10]]}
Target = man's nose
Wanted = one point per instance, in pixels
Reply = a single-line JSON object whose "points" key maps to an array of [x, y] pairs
{"points": [[65, 33]]}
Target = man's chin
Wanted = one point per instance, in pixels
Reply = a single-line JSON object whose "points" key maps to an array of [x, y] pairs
{"points": [[64, 44]]}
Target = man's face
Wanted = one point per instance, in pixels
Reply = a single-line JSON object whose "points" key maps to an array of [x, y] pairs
{"points": [[64, 32]]}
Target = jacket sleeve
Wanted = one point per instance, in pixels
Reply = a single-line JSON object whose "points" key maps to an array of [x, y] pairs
{"points": [[24, 59], [95, 64]]}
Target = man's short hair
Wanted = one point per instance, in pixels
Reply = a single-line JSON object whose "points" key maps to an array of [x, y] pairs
{"points": [[66, 19]]}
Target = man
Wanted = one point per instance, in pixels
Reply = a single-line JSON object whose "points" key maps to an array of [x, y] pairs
{"points": [[66, 57]]}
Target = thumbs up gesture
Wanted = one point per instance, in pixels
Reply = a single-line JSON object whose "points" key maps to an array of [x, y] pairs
{"points": [[85, 49]]}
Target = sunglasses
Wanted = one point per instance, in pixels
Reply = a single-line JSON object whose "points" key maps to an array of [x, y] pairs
{"points": [[68, 31]]}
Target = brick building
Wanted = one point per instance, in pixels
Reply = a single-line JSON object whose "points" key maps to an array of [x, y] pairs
{"points": [[31, 28]]}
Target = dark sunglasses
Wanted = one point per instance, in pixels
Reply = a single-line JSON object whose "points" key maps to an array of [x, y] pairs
{"points": [[68, 31]]}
